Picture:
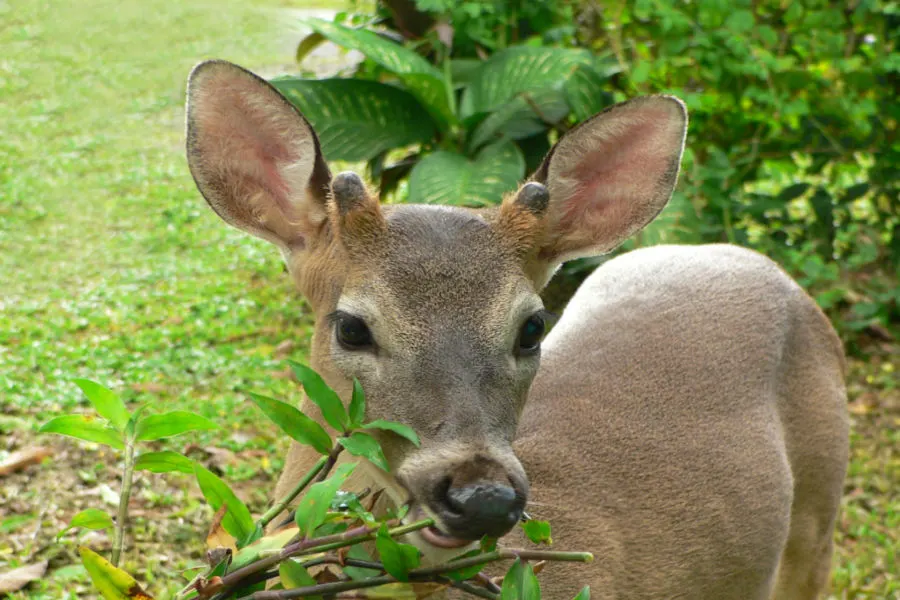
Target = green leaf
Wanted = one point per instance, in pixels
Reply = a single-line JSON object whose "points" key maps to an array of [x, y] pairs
{"points": [[131, 426], [584, 594], [449, 178], [422, 79], [537, 531], [165, 461], [398, 559], [91, 518], [398, 428], [294, 423], [356, 120], [112, 583], [293, 575], [307, 45], [357, 404], [467, 572], [261, 547], [363, 444], [84, 427], [586, 92], [740, 21], [237, 520], [170, 424], [313, 507], [322, 396], [523, 116], [519, 69], [358, 573], [520, 583], [105, 402]]}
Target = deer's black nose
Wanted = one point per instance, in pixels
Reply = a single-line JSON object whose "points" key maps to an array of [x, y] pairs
{"points": [[478, 509]]}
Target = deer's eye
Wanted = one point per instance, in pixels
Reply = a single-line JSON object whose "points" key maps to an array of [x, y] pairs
{"points": [[352, 332], [531, 334]]}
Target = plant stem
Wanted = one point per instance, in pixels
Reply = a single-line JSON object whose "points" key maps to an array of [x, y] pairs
{"points": [[426, 574], [279, 506], [313, 546], [122, 516]]}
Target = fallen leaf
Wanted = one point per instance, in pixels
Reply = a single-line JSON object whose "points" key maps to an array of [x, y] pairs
{"points": [[149, 387], [15, 580], [217, 536], [23, 458]]}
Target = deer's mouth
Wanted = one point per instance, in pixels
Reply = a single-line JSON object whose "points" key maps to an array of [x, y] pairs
{"points": [[436, 537]]}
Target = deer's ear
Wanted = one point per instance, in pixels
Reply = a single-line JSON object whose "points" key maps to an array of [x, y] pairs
{"points": [[610, 176], [254, 157]]}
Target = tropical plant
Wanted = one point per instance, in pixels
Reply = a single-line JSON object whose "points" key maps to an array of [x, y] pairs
{"points": [[472, 129]]}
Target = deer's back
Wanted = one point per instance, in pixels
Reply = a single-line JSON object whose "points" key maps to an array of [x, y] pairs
{"points": [[665, 428]]}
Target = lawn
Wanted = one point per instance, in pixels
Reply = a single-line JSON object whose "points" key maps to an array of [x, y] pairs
{"points": [[112, 268]]}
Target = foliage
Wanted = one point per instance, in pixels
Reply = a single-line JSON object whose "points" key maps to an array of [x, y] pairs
{"points": [[326, 518], [473, 128], [792, 148]]}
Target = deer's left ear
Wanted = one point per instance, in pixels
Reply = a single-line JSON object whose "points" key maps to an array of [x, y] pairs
{"points": [[609, 177]]}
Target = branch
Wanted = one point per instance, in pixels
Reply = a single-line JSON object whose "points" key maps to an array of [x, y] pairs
{"points": [[122, 515], [279, 506]]}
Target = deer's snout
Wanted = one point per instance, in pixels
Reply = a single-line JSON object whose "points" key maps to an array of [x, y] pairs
{"points": [[474, 510], [471, 494]]}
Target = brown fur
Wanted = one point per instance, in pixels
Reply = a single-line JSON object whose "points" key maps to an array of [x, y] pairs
{"points": [[687, 422]]}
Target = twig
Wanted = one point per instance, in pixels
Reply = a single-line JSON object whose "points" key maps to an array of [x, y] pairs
{"points": [[313, 546], [122, 515], [279, 506], [419, 575]]}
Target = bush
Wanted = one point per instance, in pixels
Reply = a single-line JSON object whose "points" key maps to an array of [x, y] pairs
{"points": [[791, 150]]}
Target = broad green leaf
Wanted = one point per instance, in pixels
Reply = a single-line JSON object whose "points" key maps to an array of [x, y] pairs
{"points": [[313, 506], [537, 531], [294, 423], [363, 444], [293, 575], [84, 427], [170, 424], [356, 120], [519, 69], [262, 547], [91, 518], [237, 520], [322, 396], [105, 402], [448, 178], [398, 559], [586, 92], [357, 404], [525, 115], [164, 461], [422, 79], [398, 428], [584, 594], [520, 583], [112, 583]]}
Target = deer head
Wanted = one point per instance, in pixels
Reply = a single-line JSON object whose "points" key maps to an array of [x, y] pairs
{"points": [[434, 309]]}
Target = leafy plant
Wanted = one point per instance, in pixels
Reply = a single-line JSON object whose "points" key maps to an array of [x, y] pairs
{"points": [[466, 131], [328, 523]]}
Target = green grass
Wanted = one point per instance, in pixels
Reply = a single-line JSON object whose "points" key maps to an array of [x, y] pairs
{"points": [[112, 268]]}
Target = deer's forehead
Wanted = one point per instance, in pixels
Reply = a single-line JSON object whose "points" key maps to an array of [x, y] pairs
{"points": [[442, 261]]}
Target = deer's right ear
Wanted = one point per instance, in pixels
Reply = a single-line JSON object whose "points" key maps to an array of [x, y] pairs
{"points": [[254, 157]]}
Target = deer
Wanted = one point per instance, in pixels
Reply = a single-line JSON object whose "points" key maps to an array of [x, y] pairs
{"points": [[685, 419]]}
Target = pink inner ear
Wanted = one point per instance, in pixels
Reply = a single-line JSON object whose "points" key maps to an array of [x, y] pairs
{"points": [[617, 170], [248, 140]]}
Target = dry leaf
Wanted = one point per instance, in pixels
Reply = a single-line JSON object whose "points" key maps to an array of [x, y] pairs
{"points": [[217, 536], [23, 458], [284, 349], [15, 580]]}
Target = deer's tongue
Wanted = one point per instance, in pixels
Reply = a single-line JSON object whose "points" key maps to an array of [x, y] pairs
{"points": [[436, 537]]}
